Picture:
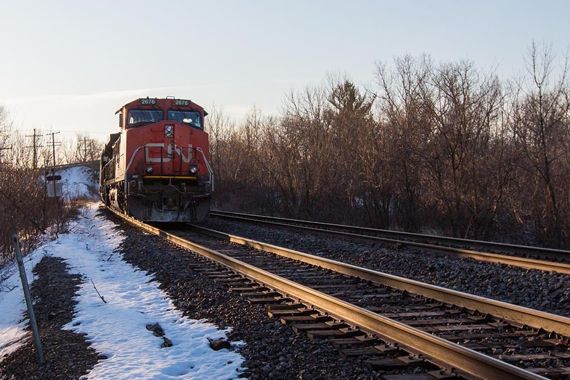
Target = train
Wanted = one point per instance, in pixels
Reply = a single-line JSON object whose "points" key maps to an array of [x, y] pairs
{"points": [[156, 167]]}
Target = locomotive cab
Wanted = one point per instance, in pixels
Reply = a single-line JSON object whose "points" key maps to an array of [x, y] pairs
{"points": [[156, 169]]}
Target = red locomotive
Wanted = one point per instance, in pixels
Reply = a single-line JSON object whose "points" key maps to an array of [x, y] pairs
{"points": [[156, 168]]}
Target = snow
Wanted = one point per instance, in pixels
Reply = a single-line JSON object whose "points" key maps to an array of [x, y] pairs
{"points": [[77, 182], [117, 329]]}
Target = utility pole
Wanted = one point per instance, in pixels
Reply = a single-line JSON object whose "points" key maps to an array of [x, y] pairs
{"points": [[53, 145], [84, 141], [35, 146]]}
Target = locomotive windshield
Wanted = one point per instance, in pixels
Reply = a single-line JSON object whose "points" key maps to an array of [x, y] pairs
{"points": [[188, 117], [139, 117]]}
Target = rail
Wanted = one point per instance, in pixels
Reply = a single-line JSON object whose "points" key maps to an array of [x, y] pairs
{"points": [[517, 261], [514, 313], [438, 350]]}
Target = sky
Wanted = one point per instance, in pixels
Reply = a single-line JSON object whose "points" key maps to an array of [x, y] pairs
{"points": [[69, 65]]}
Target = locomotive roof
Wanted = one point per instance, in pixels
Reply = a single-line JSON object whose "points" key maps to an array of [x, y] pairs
{"points": [[163, 103]]}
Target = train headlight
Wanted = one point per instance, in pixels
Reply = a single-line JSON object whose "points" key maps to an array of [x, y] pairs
{"points": [[193, 169], [169, 130], [148, 170]]}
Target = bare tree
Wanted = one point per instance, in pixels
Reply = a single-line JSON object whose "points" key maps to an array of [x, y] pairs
{"points": [[540, 126], [445, 147], [87, 149], [404, 129]]}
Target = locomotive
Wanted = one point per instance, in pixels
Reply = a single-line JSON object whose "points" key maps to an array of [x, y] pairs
{"points": [[156, 168]]}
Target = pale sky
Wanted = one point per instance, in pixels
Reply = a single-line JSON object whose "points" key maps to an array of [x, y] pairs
{"points": [[69, 65]]}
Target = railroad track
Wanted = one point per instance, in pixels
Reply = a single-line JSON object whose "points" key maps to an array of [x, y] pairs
{"points": [[383, 317], [527, 257]]}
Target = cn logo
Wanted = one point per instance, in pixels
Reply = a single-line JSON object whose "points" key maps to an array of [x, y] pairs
{"points": [[156, 153]]}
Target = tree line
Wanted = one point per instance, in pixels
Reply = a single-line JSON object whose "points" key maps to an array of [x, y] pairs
{"points": [[432, 147]]}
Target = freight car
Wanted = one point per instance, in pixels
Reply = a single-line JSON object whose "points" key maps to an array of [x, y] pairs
{"points": [[156, 168]]}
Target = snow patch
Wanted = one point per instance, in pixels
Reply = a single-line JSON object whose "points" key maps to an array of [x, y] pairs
{"points": [[117, 328], [77, 182]]}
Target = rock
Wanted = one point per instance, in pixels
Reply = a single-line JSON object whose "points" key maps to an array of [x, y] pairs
{"points": [[233, 336], [218, 344], [166, 342], [155, 328]]}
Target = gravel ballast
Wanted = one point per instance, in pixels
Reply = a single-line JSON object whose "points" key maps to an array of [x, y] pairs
{"points": [[67, 354], [546, 291]]}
